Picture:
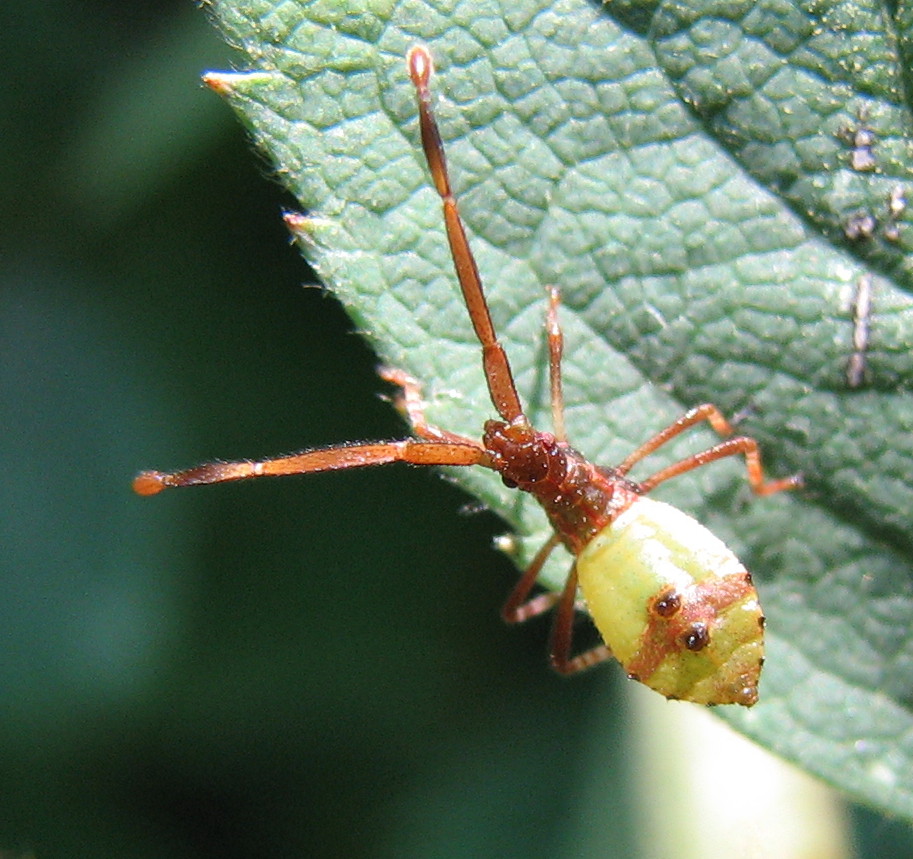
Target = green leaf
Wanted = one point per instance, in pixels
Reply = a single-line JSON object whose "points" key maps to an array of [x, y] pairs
{"points": [[684, 172]]}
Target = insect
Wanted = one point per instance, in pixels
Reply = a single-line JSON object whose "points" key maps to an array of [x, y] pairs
{"points": [[673, 604]]}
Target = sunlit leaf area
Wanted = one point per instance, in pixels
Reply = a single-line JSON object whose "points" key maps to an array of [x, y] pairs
{"points": [[316, 666]]}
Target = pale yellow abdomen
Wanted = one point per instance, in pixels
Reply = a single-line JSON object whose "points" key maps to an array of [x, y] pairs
{"points": [[675, 605]]}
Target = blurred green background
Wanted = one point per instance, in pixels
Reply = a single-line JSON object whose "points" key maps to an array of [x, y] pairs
{"points": [[292, 668]]}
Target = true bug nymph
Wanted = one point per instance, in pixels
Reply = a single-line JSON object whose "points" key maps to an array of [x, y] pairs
{"points": [[673, 604]]}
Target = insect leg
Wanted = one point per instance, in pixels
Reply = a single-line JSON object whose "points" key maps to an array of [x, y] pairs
{"points": [[517, 607], [741, 444], [411, 404], [555, 351], [494, 359], [325, 459], [706, 412], [563, 634], [731, 447]]}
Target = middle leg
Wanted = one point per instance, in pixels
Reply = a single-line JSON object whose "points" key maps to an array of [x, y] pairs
{"points": [[732, 446]]}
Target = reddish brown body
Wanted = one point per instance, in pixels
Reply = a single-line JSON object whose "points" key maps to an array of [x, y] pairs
{"points": [[580, 498]]}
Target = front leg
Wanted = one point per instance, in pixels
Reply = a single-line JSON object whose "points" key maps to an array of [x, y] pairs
{"points": [[410, 403]]}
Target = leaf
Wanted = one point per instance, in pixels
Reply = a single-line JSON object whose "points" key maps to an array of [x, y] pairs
{"points": [[684, 171]]}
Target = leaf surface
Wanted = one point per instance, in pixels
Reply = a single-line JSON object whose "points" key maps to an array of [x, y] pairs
{"points": [[690, 174]]}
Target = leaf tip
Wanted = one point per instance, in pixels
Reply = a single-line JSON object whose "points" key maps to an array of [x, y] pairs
{"points": [[238, 83], [306, 228], [218, 82]]}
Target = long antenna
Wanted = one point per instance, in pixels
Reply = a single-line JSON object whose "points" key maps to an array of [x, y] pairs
{"points": [[500, 379]]}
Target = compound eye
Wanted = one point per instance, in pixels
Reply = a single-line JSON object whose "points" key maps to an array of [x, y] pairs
{"points": [[697, 638]]}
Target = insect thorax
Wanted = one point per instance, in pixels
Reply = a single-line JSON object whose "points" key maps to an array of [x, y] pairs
{"points": [[579, 498]]}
